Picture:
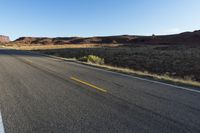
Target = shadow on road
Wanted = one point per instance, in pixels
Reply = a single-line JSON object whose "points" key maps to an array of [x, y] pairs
{"points": [[18, 52]]}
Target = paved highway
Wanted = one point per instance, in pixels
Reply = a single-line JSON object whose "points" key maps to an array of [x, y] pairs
{"points": [[39, 94]]}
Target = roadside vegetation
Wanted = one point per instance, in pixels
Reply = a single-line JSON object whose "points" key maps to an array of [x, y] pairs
{"points": [[179, 63], [51, 46], [92, 59]]}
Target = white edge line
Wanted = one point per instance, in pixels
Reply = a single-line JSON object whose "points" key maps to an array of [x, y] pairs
{"points": [[1, 124], [126, 75], [148, 80]]}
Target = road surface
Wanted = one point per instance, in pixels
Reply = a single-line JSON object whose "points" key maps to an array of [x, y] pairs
{"points": [[39, 94]]}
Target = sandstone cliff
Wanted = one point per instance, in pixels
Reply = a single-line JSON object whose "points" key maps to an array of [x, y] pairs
{"points": [[4, 39]]}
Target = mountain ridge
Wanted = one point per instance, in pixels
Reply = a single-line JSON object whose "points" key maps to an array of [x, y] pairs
{"points": [[182, 38]]}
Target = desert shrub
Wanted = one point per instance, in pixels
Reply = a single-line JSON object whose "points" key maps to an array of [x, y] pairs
{"points": [[92, 59], [180, 61]]}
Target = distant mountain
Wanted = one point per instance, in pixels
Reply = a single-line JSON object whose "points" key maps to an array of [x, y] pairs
{"points": [[183, 38], [75, 40], [4, 39]]}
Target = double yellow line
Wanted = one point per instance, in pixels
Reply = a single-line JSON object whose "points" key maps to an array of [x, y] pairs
{"points": [[88, 84]]}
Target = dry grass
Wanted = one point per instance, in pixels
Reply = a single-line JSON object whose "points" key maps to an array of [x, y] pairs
{"points": [[49, 47], [147, 74], [177, 63], [143, 74]]}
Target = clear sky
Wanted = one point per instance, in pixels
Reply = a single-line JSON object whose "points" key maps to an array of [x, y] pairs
{"points": [[97, 17]]}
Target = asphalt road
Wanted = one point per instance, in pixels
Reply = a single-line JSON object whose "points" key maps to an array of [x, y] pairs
{"points": [[39, 94]]}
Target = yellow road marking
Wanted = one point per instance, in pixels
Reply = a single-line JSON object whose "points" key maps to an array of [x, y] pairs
{"points": [[88, 84]]}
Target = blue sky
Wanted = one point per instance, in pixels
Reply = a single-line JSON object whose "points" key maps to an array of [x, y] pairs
{"points": [[97, 17]]}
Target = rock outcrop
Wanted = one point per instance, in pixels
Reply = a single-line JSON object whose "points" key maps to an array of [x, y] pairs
{"points": [[4, 39]]}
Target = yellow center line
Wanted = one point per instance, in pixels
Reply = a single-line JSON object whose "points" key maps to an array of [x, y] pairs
{"points": [[88, 84]]}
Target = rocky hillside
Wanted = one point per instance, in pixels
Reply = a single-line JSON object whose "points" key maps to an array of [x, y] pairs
{"points": [[4, 39], [76, 40], [183, 38]]}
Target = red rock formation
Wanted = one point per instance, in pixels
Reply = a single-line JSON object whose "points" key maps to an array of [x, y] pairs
{"points": [[4, 39], [188, 38]]}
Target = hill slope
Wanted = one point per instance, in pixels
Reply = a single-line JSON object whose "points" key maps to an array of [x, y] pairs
{"points": [[183, 38]]}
